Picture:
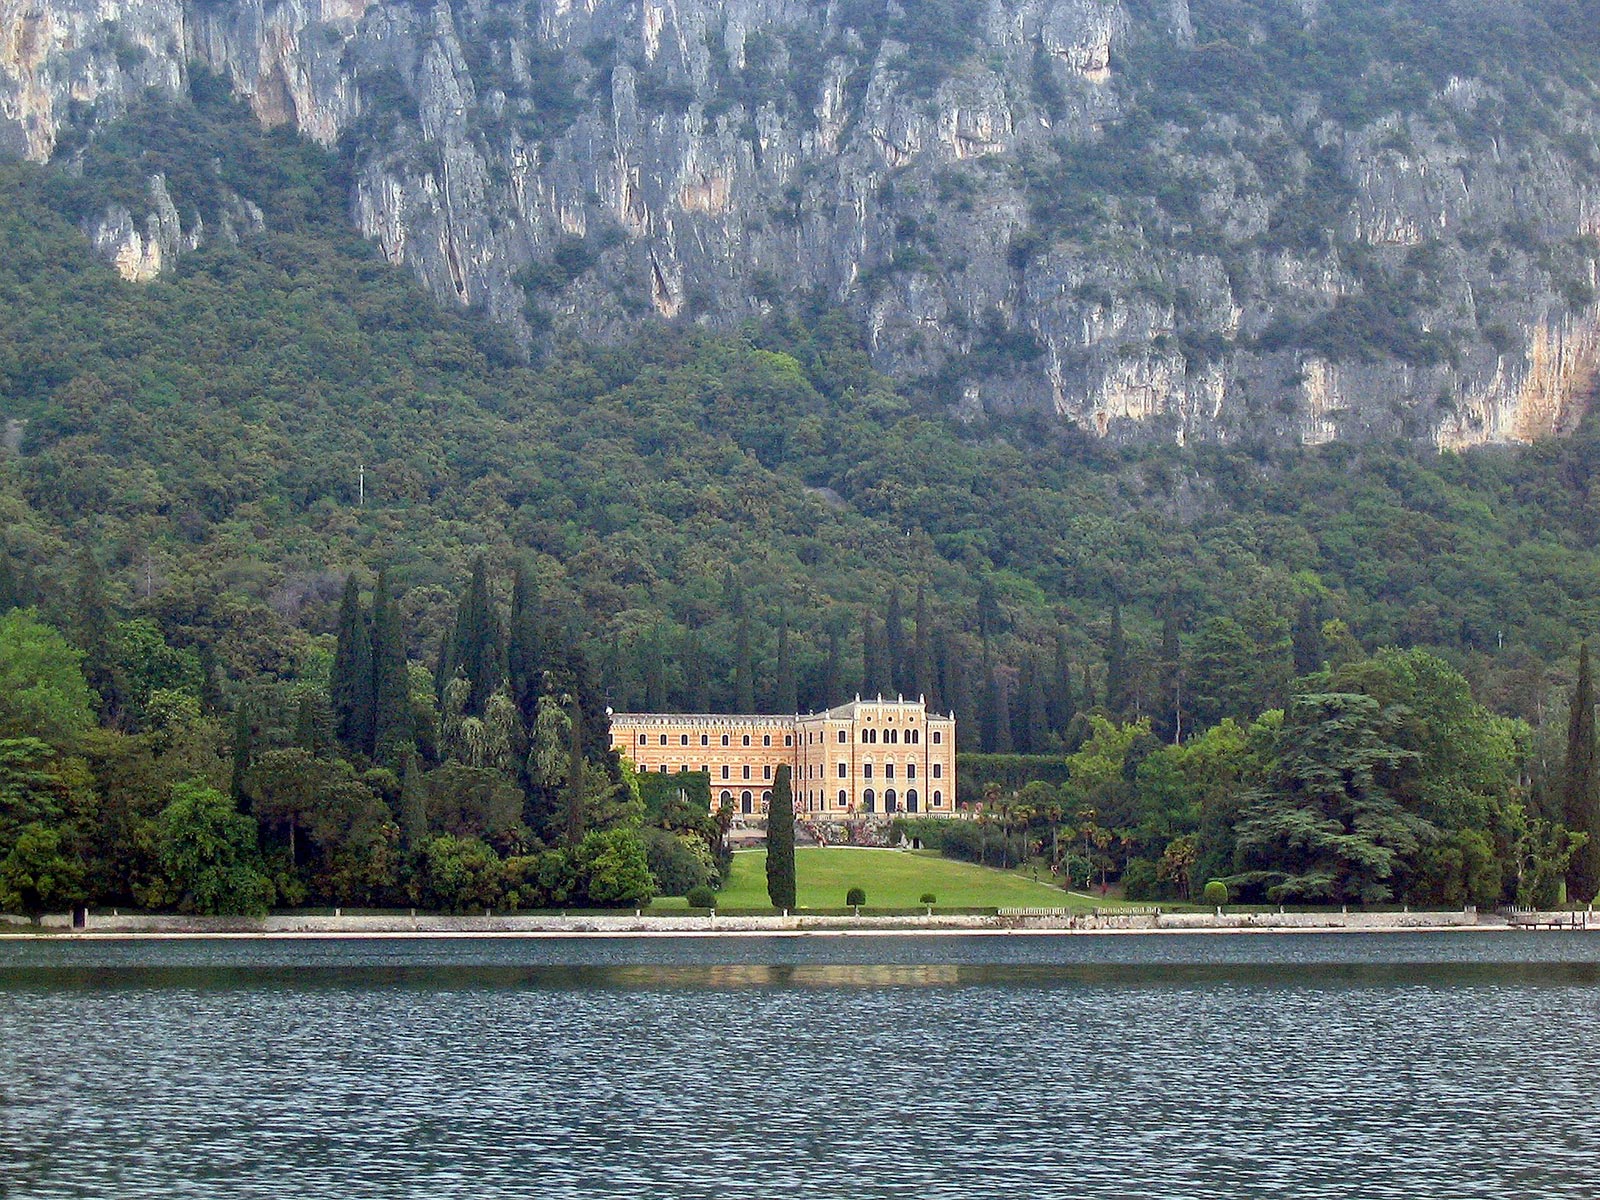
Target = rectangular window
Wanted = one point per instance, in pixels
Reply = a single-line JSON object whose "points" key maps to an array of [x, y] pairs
{"points": [[938, 770], [747, 772], [888, 770], [937, 737], [766, 771], [724, 772], [866, 770]]}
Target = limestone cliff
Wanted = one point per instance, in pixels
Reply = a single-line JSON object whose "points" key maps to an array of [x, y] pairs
{"points": [[1150, 218]]}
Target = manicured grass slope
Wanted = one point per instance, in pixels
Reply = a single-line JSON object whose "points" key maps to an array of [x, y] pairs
{"points": [[891, 879]]}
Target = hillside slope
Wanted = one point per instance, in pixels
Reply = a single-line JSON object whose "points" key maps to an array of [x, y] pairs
{"points": [[208, 435], [1303, 220]]}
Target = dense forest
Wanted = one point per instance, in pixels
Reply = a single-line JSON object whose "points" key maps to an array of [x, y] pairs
{"points": [[317, 593]]}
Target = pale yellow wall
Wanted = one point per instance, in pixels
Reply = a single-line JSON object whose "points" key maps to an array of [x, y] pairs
{"points": [[913, 761]]}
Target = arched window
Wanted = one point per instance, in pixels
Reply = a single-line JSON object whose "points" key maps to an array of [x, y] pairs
{"points": [[746, 740], [869, 801], [726, 794], [644, 739], [914, 736], [683, 740], [766, 739], [704, 740], [766, 799], [843, 799], [911, 799], [746, 805], [938, 799], [724, 739], [893, 736], [663, 739], [889, 804]]}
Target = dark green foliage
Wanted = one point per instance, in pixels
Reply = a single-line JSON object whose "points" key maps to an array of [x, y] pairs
{"points": [[392, 715], [785, 692], [351, 686], [1307, 639], [1215, 893], [894, 645], [1328, 826], [474, 651], [780, 842], [701, 896], [1116, 665], [855, 897], [744, 669], [1580, 785]]}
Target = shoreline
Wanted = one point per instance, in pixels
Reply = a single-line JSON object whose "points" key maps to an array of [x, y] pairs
{"points": [[356, 929]]}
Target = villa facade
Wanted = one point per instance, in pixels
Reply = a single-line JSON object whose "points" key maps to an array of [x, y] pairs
{"points": [[864, 758]]}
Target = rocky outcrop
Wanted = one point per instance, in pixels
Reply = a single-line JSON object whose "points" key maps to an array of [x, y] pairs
{"points": [[987, 188]]}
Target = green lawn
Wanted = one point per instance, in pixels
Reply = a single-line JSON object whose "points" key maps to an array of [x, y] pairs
{"points": [[891, 879]]}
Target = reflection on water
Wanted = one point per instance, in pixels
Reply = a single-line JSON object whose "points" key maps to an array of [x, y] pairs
{"points": [[1086, 1068]]}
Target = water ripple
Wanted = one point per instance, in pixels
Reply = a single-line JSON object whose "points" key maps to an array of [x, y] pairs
{"points": [[1317, 1070]]}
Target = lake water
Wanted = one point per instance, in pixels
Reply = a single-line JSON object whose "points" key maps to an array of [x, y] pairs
{"points": [[1363, 1066]]}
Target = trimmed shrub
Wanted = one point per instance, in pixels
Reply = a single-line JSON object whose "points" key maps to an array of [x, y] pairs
{"points": [[928, 898], [855, 897], [1216, 893], [701, 896]]}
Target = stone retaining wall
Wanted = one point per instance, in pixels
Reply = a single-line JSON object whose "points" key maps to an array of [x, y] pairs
{"points": [[625, 922]]}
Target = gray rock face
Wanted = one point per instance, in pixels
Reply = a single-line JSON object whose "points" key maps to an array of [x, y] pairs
{"points": [[965, 181]]}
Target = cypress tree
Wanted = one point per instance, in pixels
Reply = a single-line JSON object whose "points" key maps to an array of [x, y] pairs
{"points": [[953, 684], [476, 647], [696, 679], [833, 670], [787, 698], [925, 680], [872, 665], [1116, 665], [1307, 638], [1580, 788], [744, 681], [413, 806], [393, 727], [1031, 723], [1168, 722], [93, 630], [575, 813], [988, 712], [655, 673], [243, 748], [1063, 699], [523, 644], [350, 689], [894, 646], [988, 609], [1000, 707], [780, 843]]}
